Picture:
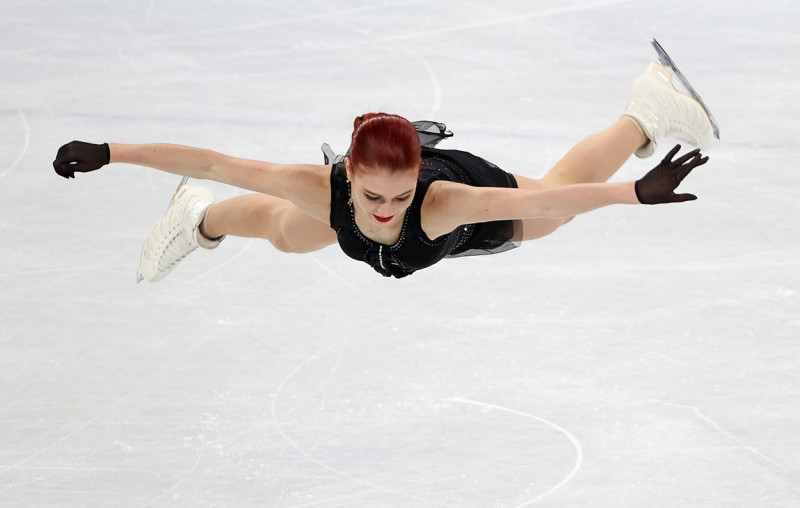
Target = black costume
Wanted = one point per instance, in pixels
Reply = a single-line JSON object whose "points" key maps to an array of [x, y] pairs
{"points": [[414, 250]]}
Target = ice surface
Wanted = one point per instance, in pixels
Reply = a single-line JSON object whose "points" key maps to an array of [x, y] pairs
{"points": [[641, 356]]}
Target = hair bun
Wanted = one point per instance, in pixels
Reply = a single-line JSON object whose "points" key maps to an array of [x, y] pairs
{"points": [[360, 120], [386, 141]]}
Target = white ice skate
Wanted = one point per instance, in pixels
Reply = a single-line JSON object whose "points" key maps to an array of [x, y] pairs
{"points": [[177, 234], [661, 110]]}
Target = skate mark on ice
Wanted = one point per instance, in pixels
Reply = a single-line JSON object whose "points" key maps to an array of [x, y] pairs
{"points": [[373, 487], [151, 8], [405, 36], [26, 127], [414, 55], [183, 478], [513, 18], [327, 501], [216, 268], [575, 443], [331, 371], [435, 480], [436, 87], [71, 272], [714, 425], [299, 19], [17, 465], [333, 272]]}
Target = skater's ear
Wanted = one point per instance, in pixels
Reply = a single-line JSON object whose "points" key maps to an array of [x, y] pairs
{"points": [[348, 167]]}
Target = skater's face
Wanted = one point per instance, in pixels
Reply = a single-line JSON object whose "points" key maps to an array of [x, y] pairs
{"points": [[382, 195]]}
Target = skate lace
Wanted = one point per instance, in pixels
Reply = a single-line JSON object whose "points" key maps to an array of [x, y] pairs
{"points": [[176, 242]]}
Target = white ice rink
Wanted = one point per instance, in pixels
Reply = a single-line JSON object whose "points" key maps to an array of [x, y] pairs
{"points": [[640, 357]]}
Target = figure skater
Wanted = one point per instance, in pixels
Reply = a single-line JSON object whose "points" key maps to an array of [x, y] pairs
{"points": [[400, 206]]}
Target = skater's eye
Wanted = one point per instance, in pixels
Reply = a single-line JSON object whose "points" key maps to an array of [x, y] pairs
{"points": [[399, 199]]}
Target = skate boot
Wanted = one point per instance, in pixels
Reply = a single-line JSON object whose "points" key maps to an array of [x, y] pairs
{"points": [[177, 234], [662, 111]]}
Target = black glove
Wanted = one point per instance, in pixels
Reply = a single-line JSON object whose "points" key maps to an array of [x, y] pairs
{"points": [[659, 184], [81, 157]]}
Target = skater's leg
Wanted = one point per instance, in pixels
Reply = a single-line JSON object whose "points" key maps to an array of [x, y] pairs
{"points": [[594, 159], [597, 157], [268, 217]]}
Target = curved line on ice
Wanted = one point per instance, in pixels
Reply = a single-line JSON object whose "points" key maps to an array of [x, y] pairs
{"points": [[27, 141], [575, 443], [307, 455]]}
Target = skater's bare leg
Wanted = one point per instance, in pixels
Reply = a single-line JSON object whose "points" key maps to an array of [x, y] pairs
{"points": [[594, 159], [260, 216]]}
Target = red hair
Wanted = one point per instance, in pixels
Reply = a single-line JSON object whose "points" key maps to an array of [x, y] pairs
{"points": [[381, 140]]}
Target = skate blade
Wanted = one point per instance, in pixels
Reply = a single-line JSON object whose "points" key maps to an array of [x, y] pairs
{"points": [[139, 276], [665, 60], [183, 182]]}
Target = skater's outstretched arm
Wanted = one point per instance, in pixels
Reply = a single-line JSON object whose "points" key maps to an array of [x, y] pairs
{"points": [[306, 185], [453, 204]]}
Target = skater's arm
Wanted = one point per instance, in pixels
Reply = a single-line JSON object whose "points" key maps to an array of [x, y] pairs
{"points": [[176, 159], [307, 186], [452, 204]]}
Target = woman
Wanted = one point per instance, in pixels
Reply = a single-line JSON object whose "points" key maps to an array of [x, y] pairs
{"points": [[400, 206]]}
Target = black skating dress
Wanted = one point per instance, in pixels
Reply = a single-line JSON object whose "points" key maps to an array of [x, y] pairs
{"points": [[414, 250]]}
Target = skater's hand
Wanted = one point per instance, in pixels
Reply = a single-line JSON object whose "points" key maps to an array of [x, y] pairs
{"points": [[659, 184], [81, 157]]}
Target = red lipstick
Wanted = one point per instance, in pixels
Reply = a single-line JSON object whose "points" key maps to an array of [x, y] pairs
{"points": [[382, 219]]}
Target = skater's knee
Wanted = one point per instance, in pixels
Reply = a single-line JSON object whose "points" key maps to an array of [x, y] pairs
{"points": [[281, 243], [533, 229], [297, 232], [302, 241]]}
